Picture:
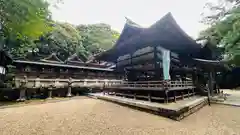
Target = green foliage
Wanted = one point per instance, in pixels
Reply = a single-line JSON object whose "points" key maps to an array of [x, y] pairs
{"points": [[97, 37], [85, 40], [225, 29], [65, 39], [25, 18], [28, 29]]}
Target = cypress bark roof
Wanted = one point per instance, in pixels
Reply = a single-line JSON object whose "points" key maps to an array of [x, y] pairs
{"points": [[52, 58], [74, 59], [165, 32], [130, 29]]}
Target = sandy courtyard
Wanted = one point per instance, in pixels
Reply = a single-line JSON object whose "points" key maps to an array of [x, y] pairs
{"points": [[95, 117]]}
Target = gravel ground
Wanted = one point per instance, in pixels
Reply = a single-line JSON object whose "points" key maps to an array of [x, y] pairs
{"points": [[95, 117]]}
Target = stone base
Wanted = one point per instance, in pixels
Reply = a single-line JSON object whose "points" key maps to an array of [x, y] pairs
{"points": [[21, 99], [69, 95], [22, 95], [69, 92], [49, 98], [49, 94]]}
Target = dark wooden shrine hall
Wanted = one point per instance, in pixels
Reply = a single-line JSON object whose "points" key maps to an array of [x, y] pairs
{"points": [[50, 74], [5, 59], [162, 54]]}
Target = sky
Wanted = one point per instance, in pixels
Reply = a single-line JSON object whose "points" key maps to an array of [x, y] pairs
{"points": [[144, 12]]}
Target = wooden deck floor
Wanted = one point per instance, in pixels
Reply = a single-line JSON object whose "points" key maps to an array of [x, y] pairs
{"points": [[175, 110], [153, 88]]}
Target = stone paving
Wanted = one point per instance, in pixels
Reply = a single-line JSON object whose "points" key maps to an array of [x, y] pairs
{"points": [[233, 97], [96, 117]]}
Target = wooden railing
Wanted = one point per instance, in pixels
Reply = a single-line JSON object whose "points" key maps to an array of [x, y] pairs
{"points": [[62, 83], [103, 83], [155, 84]]}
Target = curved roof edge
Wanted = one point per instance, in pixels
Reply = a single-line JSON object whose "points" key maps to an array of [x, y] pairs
{"points": [[166, 29], [130, 29], [165, 32]]}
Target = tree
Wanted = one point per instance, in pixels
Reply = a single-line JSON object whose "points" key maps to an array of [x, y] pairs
{"points": [[97, 37], [23, 21], [27, 28], [216, 11], [24, 18], [224, 30], [64, 39]]}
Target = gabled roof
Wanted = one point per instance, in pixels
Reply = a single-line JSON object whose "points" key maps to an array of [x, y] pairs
{"points": [[60, 65], [74, 58], [130, 29], [52, 58], [165, 33]]}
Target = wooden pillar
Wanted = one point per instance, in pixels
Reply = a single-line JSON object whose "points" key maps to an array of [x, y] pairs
{"points": [[69, 92], [23, 88], [166, 96], [28, 94], [214, 82], [182, 95], [210, 83], [156, 65], [50, 93]]}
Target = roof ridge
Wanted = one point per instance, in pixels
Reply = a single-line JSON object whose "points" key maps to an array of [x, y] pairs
{"points": [[72, 57], [54, 56], [132, 23]]}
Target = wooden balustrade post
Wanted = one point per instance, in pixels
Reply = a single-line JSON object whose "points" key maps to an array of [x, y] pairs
{"points": [[149, 97], [135, 96], [175, 99], [182, 95], [104, 85]]}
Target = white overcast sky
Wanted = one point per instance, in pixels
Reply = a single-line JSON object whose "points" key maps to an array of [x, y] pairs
{"points": [[144, 12]]}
